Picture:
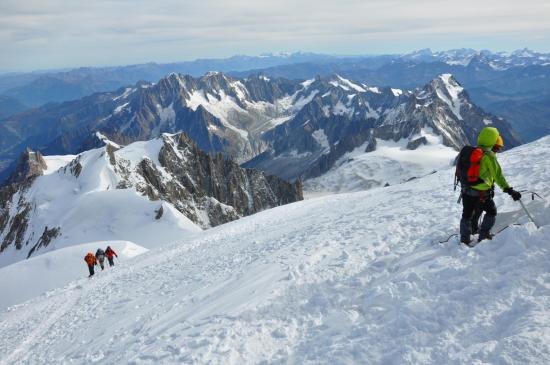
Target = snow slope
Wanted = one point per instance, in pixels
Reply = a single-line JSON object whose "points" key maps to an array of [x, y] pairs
{"points": [[352, 278], [54, 270], [391, 163]]}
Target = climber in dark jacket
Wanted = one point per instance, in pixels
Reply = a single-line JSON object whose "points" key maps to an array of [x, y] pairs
{"points": [[100, 256]]}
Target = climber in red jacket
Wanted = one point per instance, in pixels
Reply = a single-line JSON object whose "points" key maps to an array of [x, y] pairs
{"points": [[109, 252]]}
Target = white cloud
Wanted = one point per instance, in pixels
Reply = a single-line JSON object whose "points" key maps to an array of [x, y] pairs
{"points": [[59, 33]]}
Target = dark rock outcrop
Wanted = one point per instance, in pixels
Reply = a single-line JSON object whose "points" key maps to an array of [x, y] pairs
{"points": [[47, 236], [29, 165], [214, 184]]}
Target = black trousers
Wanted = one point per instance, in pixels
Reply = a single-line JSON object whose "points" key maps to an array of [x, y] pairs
{"points": [[472, 207], [111, 260], [91, 268]]}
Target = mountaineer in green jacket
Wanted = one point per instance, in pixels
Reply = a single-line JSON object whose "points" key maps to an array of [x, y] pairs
{"points": [[478, 198]]}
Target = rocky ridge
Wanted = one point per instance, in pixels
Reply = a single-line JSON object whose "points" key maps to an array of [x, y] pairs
{"points": [[343, 115], [207, 189], [288, 128]]}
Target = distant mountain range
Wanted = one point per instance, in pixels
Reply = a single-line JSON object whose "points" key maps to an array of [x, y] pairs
{"points": [[492, 79], [289, 128], [34, 89], [9, 106]]}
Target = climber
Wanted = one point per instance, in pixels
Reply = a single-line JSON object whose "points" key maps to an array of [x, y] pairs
{"points": [[91, 261], [110, 253], [479, 170], [100, 256]]}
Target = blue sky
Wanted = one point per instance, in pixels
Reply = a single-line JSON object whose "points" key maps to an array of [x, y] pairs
{"points": [[44, 34]]}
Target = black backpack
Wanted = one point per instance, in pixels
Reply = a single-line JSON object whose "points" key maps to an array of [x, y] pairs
{"points": [[99, 253], [468, 162]]}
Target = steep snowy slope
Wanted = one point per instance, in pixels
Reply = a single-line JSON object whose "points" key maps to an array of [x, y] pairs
{"points": [[350, 279]]}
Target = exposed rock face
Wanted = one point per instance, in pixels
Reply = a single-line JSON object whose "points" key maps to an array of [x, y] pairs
{"points": [[216, 185], [209, 190], [219, 113], [29, 165], [47, 236], [343, 115], [287, 128], [14, 223]]}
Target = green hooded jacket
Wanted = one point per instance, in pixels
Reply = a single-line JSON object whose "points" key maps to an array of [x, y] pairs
{"points": [[489, 169]]}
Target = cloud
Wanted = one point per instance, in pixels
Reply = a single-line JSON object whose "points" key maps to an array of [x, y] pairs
{"points": [[123, 31]]}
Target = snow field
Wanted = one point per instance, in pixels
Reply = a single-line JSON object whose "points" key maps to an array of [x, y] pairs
{"points": [[390, 163], [55, 269], [351, 278]]}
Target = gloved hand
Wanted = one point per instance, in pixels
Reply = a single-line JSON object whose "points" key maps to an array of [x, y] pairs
{"points": [[516, 195]]}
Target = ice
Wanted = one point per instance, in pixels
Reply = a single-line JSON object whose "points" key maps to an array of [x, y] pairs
{"points": [[240, 89]]}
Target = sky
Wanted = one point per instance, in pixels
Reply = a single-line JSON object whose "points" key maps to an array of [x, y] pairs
{"points": [[49, 34]]}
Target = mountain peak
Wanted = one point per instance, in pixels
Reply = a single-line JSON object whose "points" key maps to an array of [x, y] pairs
{"points": [[525, 52], [447, 89], [422, 52], [29, 165]]}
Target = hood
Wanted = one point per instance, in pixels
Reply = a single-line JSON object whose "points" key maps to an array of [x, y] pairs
{"points": [[487, 137]]}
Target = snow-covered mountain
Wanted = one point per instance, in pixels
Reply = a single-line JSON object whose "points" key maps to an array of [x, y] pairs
{"points": [[342, 115], [350, 278], [149, 193], [219, 113], [255, 117], [496, 60]]}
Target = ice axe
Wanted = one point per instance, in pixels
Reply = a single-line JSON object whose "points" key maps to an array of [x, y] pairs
{"points": [[528, 214]]}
